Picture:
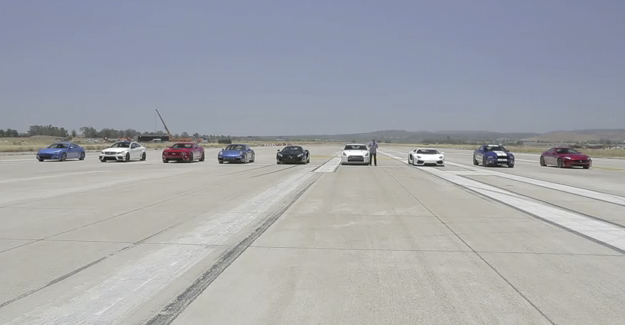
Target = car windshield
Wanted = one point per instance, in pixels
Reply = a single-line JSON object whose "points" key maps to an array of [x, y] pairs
{"points": [[182, 146], [355, 147], [121, 145], [566, 151], [496, 148], [235, 147], [428, 151], [293, 149], [58, 146]]}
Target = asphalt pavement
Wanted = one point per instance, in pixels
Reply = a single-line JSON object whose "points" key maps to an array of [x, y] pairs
{"points": [[84, 242]]}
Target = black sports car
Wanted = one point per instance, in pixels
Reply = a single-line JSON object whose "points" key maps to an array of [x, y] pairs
{"points": [[293, 154]]}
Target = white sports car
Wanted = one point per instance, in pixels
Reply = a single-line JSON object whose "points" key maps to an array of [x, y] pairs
{"points": [[422, 157], [123, 151], [355, 154]]}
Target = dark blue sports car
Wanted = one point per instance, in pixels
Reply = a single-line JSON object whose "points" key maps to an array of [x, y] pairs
{"points": [[493, 155], [237, 153], [61, 151]]}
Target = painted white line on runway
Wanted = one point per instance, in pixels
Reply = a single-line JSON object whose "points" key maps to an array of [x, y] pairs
{"points": [[48, 176], [39, 195], [132, 285], [330, 166], [610, 198], [468, 173], [593, 228]]}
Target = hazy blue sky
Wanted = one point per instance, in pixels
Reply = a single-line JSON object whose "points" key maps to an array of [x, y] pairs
{"points": [[324, 66]]}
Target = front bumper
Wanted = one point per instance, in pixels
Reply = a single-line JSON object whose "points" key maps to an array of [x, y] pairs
{"points": [[436, 162], [291, 159], [231, 158], [500, 161], [118, 157], [355, 160], [47, 156], [175, 156], [577, 163]]}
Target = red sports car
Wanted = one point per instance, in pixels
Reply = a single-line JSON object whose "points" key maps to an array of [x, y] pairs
{"points": [[565, 157], [184, 151]]}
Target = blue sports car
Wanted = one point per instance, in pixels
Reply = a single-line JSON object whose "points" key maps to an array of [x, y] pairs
{"points": [[61, 151], [237, 153], [493, 155]]}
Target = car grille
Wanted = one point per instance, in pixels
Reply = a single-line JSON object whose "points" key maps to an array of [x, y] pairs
{"points": [[46, 156], [355, 158], [109, 152]]}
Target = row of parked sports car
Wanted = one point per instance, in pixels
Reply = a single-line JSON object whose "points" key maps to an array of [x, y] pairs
{"points": [[486, 155], [181, 152], [563, 157]]}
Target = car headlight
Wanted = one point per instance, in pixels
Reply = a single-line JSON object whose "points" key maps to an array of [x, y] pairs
{"points": [[279, 154], [441, 157], [418, 157], [589, 158], [344, 154], [300, 155], [366, 154]]}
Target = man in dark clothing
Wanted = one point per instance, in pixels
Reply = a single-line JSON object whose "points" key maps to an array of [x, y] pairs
{"points": [[373, 152]]}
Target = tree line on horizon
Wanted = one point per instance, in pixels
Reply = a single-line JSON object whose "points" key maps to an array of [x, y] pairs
{"points": [[91, 132]]}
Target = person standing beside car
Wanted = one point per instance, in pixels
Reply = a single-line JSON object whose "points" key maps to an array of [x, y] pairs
{"points": [[373, 152]]}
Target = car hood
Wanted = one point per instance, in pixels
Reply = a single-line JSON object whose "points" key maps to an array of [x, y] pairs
{"points": [[51, 150], [574, 156], [178, 150], [356, 152], [231, 152], [499, 153], [116, 149]]}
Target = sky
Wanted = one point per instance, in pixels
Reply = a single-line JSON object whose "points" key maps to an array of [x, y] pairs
{"points": [[284, 67]]}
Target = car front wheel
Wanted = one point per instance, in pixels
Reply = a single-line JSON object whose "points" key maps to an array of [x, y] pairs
{"points": [[82, 156], [475, 162], [127, 159], [143, 156], [560, 163], [542, 161], [63, 157], [484, 161]]}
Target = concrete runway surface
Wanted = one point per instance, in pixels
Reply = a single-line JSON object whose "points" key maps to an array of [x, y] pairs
{"points": [[82, 242]]}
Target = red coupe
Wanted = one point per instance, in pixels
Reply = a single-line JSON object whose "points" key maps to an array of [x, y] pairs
{"points": [[565, 157], [184, 151]]}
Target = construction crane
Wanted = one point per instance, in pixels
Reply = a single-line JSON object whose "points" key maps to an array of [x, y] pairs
{"points": [[171, 137]]}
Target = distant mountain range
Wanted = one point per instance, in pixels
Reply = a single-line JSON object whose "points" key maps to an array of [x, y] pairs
{"points": [[402, 136]]}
